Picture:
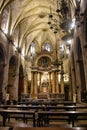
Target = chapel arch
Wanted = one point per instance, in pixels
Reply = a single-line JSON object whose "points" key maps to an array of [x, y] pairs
{"points": [[11, 76]]}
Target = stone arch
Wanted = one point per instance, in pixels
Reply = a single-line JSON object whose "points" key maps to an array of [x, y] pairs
{"points": [[43, 55], [11, 76]]}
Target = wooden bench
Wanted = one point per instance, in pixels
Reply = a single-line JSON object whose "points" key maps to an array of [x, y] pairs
{"points": [[5, 113], [49, 128], [68, 108], [48, 102], [22, 107], [45, 117], [69, 116]]}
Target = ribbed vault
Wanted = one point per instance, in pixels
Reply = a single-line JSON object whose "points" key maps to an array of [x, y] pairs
{"points": [[29, 21]]}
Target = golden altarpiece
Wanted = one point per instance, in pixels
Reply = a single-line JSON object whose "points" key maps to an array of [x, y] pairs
{"points": [[45, 78]]}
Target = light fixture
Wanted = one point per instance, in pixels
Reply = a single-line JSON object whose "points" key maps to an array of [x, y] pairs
{"points": [[79, 16], [67, 37], [61, 11], [63, 8], [55, 22], [56, 63], [68, 25]]}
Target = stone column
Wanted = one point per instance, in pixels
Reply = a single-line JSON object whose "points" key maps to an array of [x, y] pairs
{"points": [[49, 89], [62, 86], [53, 82], [57, 85], [40, 83], [35, 83], [32, 83], [25, 85]]}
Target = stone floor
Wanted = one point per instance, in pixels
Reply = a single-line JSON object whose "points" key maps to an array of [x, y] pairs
{"points": [[14, 122]]}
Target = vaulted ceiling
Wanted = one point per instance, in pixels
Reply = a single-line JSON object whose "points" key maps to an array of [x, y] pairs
{"points": [[28, 22], [29, 18]]}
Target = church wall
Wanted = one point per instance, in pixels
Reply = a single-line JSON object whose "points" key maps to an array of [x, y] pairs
{"points": [[4, 45], [79, 34], [9, 51]]}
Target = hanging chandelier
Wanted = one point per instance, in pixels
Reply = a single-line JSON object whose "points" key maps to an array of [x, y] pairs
{"points": [[61, 12], [54, 21], [57, 62]]}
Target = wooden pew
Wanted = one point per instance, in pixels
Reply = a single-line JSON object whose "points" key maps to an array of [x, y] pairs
{"points": [[69, 116], [5, 112], [23, 107], [48, 128], [48, 107], [48, 102], [68, 108]]}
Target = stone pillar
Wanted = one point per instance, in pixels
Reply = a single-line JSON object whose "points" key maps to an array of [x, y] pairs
{"points": [[62, 86], [49, 89], [25, 85], [32, 83], [35, 83], [57, 85], [25, 82], [73, 83], [53, 82], [40, 83]]}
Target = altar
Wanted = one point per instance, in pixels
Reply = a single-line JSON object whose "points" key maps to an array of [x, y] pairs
{"points": [[45, 86], [43, 95]]}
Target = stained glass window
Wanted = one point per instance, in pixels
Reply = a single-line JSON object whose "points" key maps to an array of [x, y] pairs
{"points": [[32, 48], [47, 47], [4, 22]]}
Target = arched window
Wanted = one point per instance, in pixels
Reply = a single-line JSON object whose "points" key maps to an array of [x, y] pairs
{"points": [[4, 21], [47, 47], [32, 48], [32, 51]]}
